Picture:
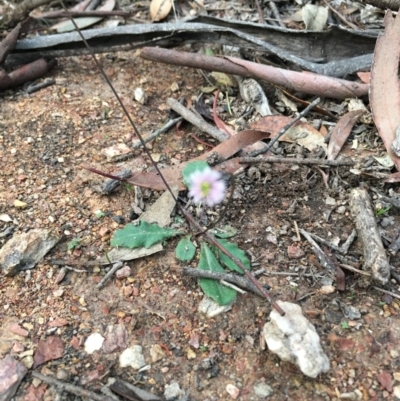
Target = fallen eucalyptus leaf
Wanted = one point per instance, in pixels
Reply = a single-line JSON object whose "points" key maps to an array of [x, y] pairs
{"points": [[159, 9]]}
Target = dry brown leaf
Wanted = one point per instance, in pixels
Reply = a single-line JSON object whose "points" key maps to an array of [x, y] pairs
{"points": [[384, 88], [159, 9], [341, 132], [301, 133]]}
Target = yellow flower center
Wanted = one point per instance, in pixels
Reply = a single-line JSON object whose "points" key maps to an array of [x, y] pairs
{"points": [[205, 188]]}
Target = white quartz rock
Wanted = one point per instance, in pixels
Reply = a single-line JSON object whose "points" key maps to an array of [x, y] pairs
{"points": [[294, 339]]}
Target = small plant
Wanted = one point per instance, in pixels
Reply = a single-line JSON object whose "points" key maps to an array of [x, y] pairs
{"points": [[207, 188], [344, 325], [382, 211], [74, 243], [127, 186]]}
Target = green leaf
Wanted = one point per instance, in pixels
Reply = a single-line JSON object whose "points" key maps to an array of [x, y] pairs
{"points": [[141, 235], [213, 288], [185, 250], [190, 168], [74, 243], [224, 232], [236, 252]]}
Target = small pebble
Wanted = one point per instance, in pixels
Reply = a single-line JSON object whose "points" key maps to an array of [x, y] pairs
{"points": [[62, 374], [93, 343], [233, 391], [262, 390], [172, 391], [132, 357], [123, 272]]}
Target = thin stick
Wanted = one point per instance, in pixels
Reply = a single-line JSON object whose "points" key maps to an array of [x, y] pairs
{"points": [[91, 13], [158, 132], [350, 24], [284, 129], [78, 391], [226, 284], [42, 85], [353, 269], [275, 13], [296, 228], [260, 12], [197, 121], [387, 292], [307, 162], [240, 281], [115, 267], [59, 262]]}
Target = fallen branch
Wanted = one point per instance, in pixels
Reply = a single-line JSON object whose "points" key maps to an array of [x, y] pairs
{"points": [[305, 82], [28, 72], [375, 259], [334, 52]]}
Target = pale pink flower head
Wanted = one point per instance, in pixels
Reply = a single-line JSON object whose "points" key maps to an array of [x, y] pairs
{"points": [[207, 186]]}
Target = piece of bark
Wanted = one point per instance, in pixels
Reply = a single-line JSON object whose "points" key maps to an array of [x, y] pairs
{"points": [[310, 83], [375, 260], [335, 52]]}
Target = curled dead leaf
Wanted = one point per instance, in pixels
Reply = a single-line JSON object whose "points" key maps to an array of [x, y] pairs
{"points": [[341, 132], [159, 9], [384, 88]]}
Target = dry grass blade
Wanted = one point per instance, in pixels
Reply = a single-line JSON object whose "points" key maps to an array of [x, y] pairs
{"points": [[384, 88]]}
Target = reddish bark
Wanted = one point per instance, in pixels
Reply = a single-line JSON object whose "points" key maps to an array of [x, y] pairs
{"points": [[305, 82]]}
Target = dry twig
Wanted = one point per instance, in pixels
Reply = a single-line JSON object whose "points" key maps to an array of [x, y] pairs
{"points": [[197, 121], [307, 162], [78, 391]]}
